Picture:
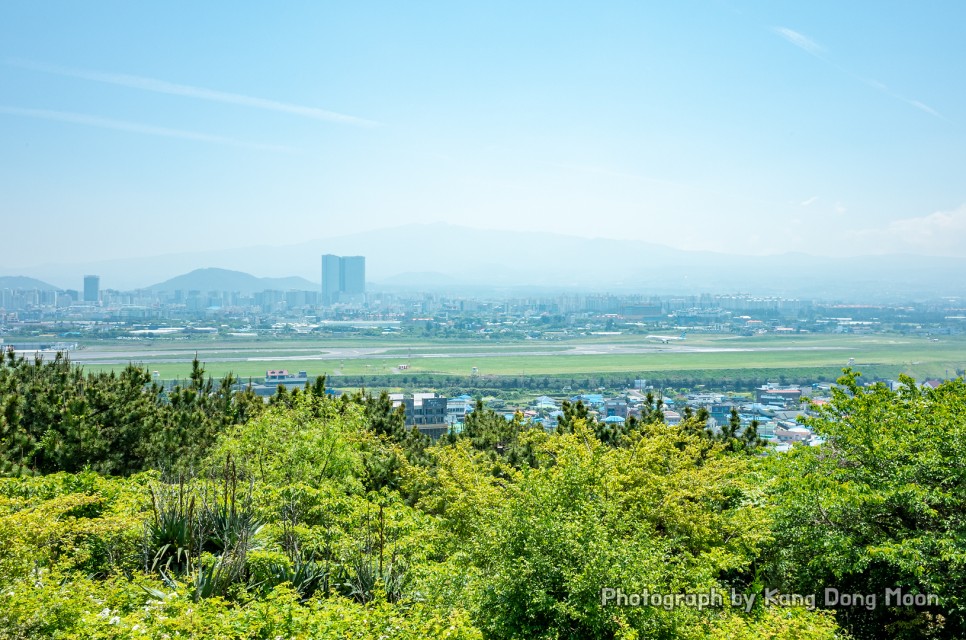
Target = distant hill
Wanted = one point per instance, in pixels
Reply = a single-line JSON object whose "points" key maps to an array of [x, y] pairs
{"points": [[23, 282], [211, 279], [416, 281]]}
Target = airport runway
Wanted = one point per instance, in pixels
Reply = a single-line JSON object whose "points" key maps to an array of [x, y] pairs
{"points": [[111, 356]]}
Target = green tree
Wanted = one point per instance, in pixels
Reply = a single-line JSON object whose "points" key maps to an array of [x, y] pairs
{"points": [[669, 513], [305, 443], [572, 412], [54, 417], [736, 439], [878, 506], [491, 432]]}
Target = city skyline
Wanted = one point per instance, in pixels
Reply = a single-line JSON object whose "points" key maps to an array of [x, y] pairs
{"points": [[739, 127], [451, 258]]}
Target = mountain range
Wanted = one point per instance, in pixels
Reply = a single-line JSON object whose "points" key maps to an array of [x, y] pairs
{"points": [[450, 258]]}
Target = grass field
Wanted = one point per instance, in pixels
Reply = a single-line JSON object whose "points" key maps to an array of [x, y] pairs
{"points": [[876, 355]]}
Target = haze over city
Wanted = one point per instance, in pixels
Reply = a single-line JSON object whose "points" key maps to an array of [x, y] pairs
{"points": [[738, 127]]}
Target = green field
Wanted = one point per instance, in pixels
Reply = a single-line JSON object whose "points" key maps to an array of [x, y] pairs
{"points": [[883, 355]]}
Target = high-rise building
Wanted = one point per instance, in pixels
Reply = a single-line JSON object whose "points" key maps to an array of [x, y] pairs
{"points": [[343, 278], [331, 278], [353, 280], [92, 288]]}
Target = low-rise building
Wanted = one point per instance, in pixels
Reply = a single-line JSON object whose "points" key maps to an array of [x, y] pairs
{"points": [[457, 408], [615, 407], [425, 411], [774, 395]]}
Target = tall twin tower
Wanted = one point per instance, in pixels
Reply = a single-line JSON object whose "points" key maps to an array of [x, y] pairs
{"points": [[343, 279]]}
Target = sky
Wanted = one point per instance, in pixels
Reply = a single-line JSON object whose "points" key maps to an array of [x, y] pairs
{"points": [[753, 127]]}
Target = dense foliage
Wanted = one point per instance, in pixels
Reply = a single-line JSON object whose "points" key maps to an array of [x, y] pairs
{"points": [[129, 511], [55, 417], [880, 506]]}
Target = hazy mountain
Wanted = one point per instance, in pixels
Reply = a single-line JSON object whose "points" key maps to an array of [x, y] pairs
{"points": [[449, 258], [23, 282], [224, 280], [418, 281]]}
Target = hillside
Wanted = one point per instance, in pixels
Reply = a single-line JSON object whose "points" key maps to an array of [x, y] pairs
{"points": [[211, 279], [23, 282]]}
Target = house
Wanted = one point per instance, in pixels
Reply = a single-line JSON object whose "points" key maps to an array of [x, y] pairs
{"points": [[545, 403], [793, 434], [590, 400]]}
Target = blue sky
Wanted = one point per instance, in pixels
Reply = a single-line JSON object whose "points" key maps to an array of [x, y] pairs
{"points": [[136, 129]]}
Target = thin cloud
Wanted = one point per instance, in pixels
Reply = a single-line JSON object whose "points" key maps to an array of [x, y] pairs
{"points": [[924, 107], [807, 44], [188, 91], [939, 233], [800, 40], [875, 84], [136, 127], [806, 203]]}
